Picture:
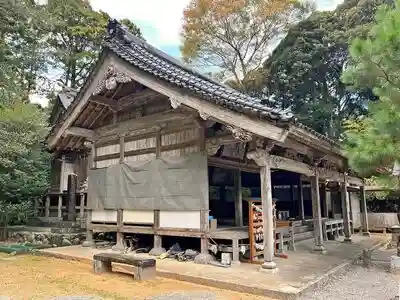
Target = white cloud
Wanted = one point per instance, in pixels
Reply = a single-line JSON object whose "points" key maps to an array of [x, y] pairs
{"points": [[160, 20]]}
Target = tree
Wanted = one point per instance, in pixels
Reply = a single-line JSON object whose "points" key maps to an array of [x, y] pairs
{"points": [[303, 72], [23, 162], [76, 33], [372, 142], [22, 44], [235, 36]]}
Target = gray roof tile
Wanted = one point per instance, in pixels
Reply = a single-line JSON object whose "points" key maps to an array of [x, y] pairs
{"points": [[151, 60]]}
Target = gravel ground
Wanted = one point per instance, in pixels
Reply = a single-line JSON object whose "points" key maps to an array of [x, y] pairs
{"points": [[358, 283], [185, 296]]}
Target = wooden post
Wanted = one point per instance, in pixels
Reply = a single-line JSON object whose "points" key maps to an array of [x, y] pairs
{"points": [[351, 214], [261, 158], [204, 222], [120, 235], [345, 210], [364, 212], [47, 207], [94, 155], [324, 208], [59, 206], [89, 233], [71, 197], [62, 174], [301, 199], [121, 149], [82, 206], [238, 198], [157, 246], [316, 208], [158, 144]]}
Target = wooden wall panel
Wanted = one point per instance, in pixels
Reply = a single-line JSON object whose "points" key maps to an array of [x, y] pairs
{"points": [[140, 144], [181, 152], [179, 137], [175, 138], [180, 219], [105, 150], [141, 157], [106, 163]]}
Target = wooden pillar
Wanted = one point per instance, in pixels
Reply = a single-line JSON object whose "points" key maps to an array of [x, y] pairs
{"points": [[301, 199], [261, 157], [93, 156], [121, 148], [120, 235], [82, 206], [351, 214], [345, 210], [47, 207], [59, 206], [316, 208], [204, 224], [157, 238], [364, 212], [89, 232], [71, 197], [157, 246], [324, 204], [238, 199], [266, 198]]}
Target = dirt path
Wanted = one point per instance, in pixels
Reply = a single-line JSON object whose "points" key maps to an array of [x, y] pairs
{"points": [[36, 277]]}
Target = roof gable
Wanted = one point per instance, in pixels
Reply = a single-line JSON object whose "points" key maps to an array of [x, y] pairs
{"points": [[153, 61]]}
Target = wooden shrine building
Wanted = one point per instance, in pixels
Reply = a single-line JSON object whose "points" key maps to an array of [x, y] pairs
{"points": [[158, 137]]}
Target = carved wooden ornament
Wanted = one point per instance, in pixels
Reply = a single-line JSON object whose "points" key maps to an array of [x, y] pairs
{"points": [[260, 156], [175, 102], [240, 134], [112, 77]]}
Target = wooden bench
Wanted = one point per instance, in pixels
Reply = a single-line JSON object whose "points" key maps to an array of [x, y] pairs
{"points": [[144, 269]]}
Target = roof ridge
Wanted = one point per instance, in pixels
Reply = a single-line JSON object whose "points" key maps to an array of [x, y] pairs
{"points": [[116, 29]]}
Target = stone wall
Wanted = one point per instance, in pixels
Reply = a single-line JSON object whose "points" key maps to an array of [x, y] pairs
{"points": [[47, 238]]}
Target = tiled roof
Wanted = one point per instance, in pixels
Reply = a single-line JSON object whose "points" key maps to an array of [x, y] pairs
{"points": [[151, 60]]}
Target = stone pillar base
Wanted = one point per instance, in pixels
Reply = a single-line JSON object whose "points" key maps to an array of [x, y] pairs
{"points": [[157, 251], [88, 244], [347, 240], [268, 265], [366, 233], [203, 259], [319, 249]]}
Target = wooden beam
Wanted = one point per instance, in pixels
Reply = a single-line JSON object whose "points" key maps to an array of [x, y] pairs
{"points": [[283, 163], [130, 99], [81, 132], [95, 77], [111, 104], [143, 122], [223, 115]]}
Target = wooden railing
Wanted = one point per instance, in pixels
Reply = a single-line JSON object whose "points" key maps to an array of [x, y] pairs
{"points": [[47, 210]]}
